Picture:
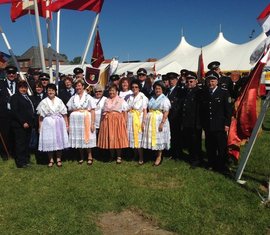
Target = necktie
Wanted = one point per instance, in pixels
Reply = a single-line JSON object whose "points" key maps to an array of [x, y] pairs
{"points": [[27, 98], [11, 87]]}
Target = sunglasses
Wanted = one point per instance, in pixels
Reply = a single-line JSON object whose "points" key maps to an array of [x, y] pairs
{"points": [[97, 91], [141, 74], [189, 81], [134, 87]]}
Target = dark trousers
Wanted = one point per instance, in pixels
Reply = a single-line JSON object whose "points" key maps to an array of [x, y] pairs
{"points": [[22, 150], [193, 141], [8, 137], [176, 141], [216, 148]]}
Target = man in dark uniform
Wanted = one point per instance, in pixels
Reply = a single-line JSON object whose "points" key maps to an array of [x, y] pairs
{"points": [[68, 91], [8, 88], [22, 110], [165, 80], [145, 82], [215, 112], [114, 79], [45, 80], [173, 96], [33, 78], [223, 81], [190, 122], [182, 79]]}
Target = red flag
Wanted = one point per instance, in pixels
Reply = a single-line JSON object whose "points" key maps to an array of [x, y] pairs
{"points": [[200, 72], [245, 114], [91, 75], [21, 8], [97, 56], [5, 1], [264, 20], [80, 5]]}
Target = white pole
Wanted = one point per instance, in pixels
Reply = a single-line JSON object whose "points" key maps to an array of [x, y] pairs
{"points": [[57, 46], [90, 39], [49, 41], [15, 60], [39, 37]]}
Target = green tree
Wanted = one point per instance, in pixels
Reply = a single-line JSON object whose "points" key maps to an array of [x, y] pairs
{"points": [[76, 60]]}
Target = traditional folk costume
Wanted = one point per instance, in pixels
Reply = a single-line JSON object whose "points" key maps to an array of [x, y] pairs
{"points": [[152, 137], [80, 135], [136, 105], [53, 132], [100, 102], [113, 130]]}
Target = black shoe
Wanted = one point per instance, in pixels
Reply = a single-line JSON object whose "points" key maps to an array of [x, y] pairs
{"points": [[22, 166]]}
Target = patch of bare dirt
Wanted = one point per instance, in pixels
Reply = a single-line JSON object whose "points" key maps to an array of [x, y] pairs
{"points": [[128, 223]]}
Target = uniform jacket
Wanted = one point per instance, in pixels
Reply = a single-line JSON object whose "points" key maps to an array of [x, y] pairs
{"points": [[215, 109], [64, 95], [175, 103]]}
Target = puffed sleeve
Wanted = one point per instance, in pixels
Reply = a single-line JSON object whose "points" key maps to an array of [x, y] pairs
{"points": [[91, 103], [125, 106], [69, 103], [165, 105], [145, 102], [41, 110], [62, 107]]}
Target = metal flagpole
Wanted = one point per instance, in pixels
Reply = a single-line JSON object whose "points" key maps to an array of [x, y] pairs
{"points": [[252, 139], [39, 37], [49, 41], [30, 92], [90, 39], [57, 46]]}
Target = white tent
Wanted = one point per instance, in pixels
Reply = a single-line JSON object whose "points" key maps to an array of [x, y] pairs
{"points": [[231, 56]]}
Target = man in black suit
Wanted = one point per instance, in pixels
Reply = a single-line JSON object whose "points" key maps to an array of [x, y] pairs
{"points": [[190, 121], [45, 80], [8, 88], [215, 111], [68, 91], [145, 82], [22, 111], [174, 118], [223, 81]]}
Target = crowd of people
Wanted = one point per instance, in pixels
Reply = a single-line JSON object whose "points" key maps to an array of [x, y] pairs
{"points": [[130, 116]]}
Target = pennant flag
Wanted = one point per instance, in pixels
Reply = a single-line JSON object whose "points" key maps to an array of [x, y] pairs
{"points": [[200, 72], [246, 109], [98, 56], [113, 66], [5, 1], [91, 75], [4, 57], [79, 5], [264, 20], [24, 7], [154, 70], [104, 76]]}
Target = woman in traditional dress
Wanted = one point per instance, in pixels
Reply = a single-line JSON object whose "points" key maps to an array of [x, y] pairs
{"points": [[125, 92], [82, 134], [113, 130], [53, 125], [156, 135], [137, 106]]}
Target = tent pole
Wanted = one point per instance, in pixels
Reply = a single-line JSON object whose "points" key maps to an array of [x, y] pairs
{"points": [[90, 39], [39, 37]]}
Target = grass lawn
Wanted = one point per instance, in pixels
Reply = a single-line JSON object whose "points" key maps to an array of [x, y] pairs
{"points": [[69, 200]]}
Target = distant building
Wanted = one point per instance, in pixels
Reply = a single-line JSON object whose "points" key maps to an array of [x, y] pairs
{"points": [[31, 58]]}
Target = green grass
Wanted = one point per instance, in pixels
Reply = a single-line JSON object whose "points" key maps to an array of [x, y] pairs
{"points": [[69, 200]]}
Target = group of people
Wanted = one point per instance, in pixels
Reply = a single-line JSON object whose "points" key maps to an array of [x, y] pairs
{"points": [[132, 112]]}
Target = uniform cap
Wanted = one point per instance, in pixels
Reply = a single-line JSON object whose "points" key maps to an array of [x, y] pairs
{"points": [[114, 77], [211, 75], [141, 71], [213, 65], [183, 72], [77, 70], [11, 69], [172, 75], [44, 76], [191, 75]]}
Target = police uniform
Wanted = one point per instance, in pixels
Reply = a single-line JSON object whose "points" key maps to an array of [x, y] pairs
{"points": [[190, 122], [223, 81], [44, 76], [176, 140], [146, 84], [114, 77], [215, 113], [65, 93], [7, 89]]}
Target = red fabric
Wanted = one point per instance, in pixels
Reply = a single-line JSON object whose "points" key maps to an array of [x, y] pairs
{"points": [[245, 114], [200, 72], [80, 5], [97, 56], [5, 1], [264, 14], [19, 8]]}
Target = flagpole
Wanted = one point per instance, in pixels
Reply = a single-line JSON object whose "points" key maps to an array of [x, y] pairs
{"points": [[30, 92], [49, 40], [39, 37], [57, 46], [90, 39]]}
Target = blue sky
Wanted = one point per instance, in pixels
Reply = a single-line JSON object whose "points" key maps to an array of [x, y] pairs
{"points": [[141, 29]]}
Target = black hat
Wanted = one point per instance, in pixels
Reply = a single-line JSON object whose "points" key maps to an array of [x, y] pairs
{"points": [[11, 69], [141, 71], [77, 70], [44, 76], [211, 75], [183, 72], [114, 77], [164, 77], [36, 72], [213, 65], [172, 75], [129, 72], [191, 75]]}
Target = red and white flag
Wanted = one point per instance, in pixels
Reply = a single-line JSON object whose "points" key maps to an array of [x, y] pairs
{"points": [[79, 5], [264, 20], [200, 72]]}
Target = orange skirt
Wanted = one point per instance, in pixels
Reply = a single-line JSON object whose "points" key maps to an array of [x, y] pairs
{"points": [[113, 131]]}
